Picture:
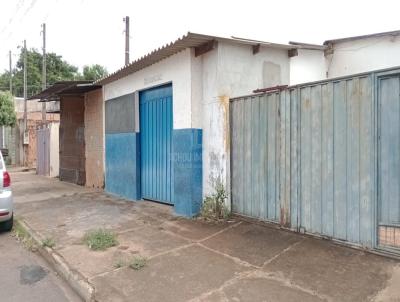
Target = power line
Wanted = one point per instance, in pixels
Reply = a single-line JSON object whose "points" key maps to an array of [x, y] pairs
{"points": [[11, 20], [29, 8]]}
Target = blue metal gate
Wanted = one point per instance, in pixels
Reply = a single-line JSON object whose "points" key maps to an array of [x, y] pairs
{"points": [[389, 160], [304, 157], [156, 143], [255, 153]]}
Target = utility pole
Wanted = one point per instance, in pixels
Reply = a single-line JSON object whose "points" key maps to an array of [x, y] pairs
{"points": [[25, 104], [25, 85], [126, 19], [10, 62], [44, 71]]}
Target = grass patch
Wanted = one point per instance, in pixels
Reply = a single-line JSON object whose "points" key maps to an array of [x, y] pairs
{"points": [[48, 242], [24, 237], [100, 239], [138, 263], [120, 263]]}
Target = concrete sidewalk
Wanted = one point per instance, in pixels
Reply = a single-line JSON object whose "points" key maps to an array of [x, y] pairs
{"points": [[191, 260]]}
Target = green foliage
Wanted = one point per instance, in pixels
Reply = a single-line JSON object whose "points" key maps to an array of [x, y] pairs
{"points": [[137, 263], [48, 242], [100, 239], [57, 69], [7, 112], [94, 72], [120, 263], [214, 205]]}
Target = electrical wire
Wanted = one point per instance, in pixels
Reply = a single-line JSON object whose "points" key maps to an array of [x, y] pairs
{"points": [[11, 20]]}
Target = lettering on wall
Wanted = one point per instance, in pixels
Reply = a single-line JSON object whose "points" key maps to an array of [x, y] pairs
{"points": [[152, 79]]}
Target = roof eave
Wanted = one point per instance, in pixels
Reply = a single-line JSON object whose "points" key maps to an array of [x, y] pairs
{"points": [[381, 34], [190, 40], [61, 87], [308, 46]]}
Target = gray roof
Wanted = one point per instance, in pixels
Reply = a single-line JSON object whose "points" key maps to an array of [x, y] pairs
{"points": [[387, 33], [307, 45], [189, 40], [64, 87]]}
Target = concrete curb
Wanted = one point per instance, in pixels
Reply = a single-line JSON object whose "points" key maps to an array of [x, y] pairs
{"points": [[75, 279]]}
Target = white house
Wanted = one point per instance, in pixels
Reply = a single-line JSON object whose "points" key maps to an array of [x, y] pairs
{"points": [[345, 56], [174, 104]]}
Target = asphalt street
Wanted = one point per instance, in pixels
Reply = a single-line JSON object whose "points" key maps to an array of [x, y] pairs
{"points": [[25, 276]]}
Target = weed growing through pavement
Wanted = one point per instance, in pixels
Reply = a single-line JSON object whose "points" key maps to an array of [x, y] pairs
{"points": [[138, 263], [48, 242], [100, 239], [214, 207], [24, 237], [120, 263]]}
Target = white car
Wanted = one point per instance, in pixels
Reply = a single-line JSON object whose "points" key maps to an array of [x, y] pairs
{"points": [[6, 198]]}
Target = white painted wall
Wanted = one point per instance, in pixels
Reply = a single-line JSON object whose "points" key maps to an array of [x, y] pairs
{"points": [[363, 55], [240, 72], [196, 75], [210, 117], [54, 149], [230, 71], [175, 69], [307, 66]]}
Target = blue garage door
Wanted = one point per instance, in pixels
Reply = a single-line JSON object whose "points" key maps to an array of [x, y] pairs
{"points": [[156, 143]]}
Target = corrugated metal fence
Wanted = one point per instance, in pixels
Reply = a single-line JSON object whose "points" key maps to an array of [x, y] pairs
{"points": [[306, 157], [256, 156]]}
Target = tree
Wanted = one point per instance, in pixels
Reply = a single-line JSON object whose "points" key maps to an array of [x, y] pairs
{"points": [[94, 72], [57, 70], [7, 111]]}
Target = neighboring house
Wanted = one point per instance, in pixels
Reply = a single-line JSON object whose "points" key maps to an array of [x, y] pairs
{"points": [[12, 139], [81, 131], [352, 55], [346, 56]]}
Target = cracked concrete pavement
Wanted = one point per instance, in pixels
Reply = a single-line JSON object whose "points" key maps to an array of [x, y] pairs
{"points": [[192, 260]]}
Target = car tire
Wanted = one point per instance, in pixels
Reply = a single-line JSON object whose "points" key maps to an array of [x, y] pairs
{"points": [[7, 226]]}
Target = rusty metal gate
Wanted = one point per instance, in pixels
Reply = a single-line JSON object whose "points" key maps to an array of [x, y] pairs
{"points": [[257, 153], [43, 151], [322, 158], [334, 124]]}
